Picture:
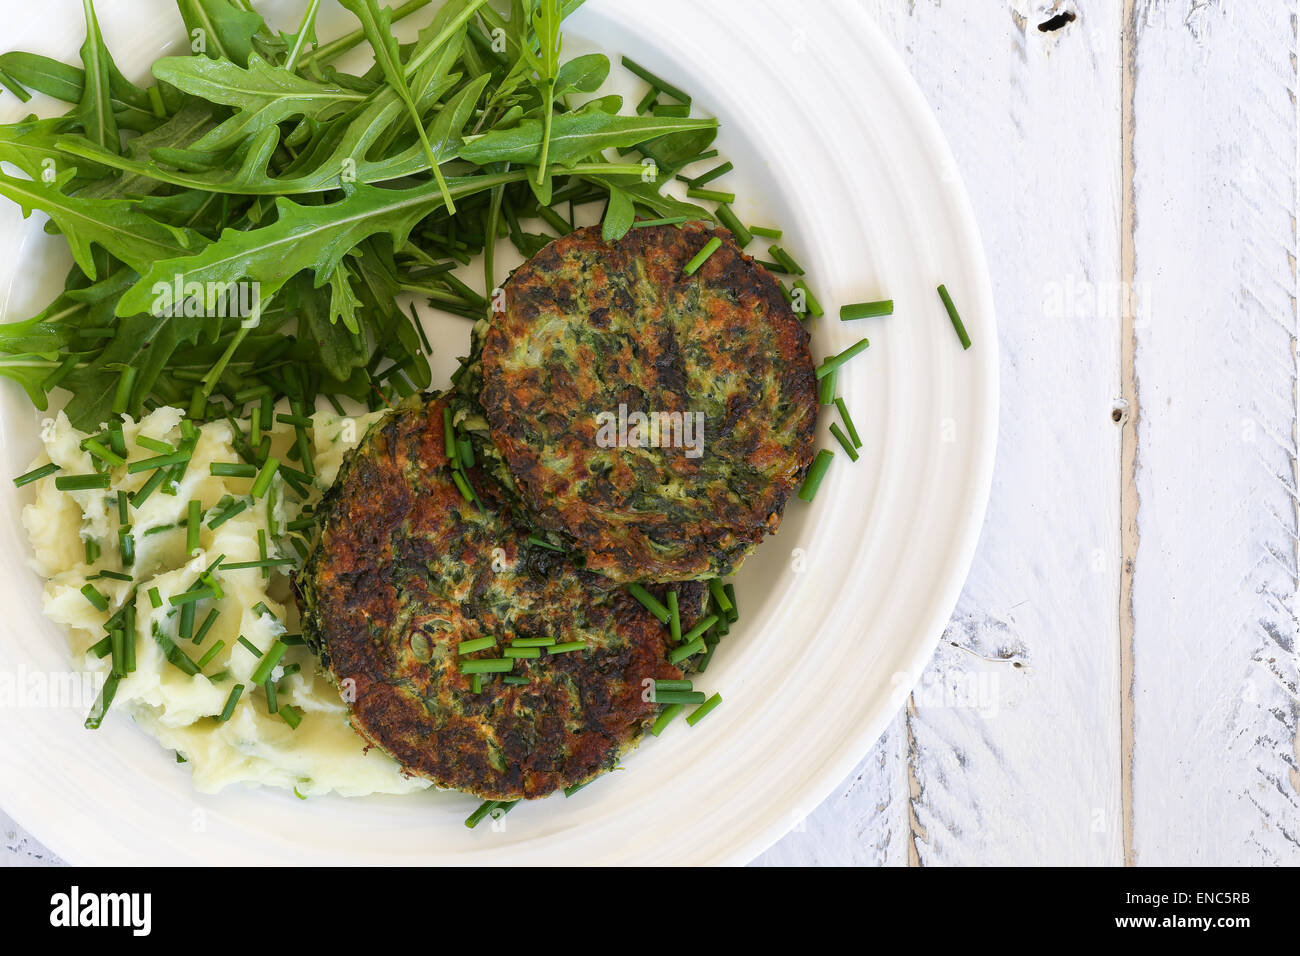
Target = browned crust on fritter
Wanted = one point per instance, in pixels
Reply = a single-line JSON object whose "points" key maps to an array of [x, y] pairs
{"points": [[759, 435], [405, 564]]}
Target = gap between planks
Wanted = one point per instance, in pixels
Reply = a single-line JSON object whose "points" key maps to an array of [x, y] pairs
{"points": [[1128, 505]]}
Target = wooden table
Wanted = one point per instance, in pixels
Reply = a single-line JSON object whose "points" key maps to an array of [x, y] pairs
{"points": [[1119, 681]]}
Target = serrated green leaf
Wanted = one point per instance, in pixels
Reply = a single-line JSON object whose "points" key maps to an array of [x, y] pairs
{"points": [[619, 215], [305, 237], [95, 108], [113, 224], [262, 95], [227, 31], [574, 137]]}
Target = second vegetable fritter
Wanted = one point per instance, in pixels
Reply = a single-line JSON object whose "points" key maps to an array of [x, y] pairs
{"points": [[654, 421]]}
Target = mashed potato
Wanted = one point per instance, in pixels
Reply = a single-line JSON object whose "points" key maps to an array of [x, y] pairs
{"points": [[183, 712]]}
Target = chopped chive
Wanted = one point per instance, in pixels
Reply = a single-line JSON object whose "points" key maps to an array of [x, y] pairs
{"points": [[218, 520], [253, 648], [699, 258], [82, 482], [185, 629], [155, 598], [103, 454], [301, 524], [272, 704], [673, 685], [671, 109], [289, 714], [102, 647], [94, 596], [113, 575], [154, 445], [206, 626], [297, 420], [661, 85], [476, 683], [665, 718], [787, 260], [465, 449], [522, 652], [126, 545], [728, 219], [956, 319], [532, 642], [488, 665], [707, 177], [566, 647], [260, 609], [485, 808], [122, 395], [36, 474], [159, 110], [539, 541], [128, 636], [712, 195], [698, 630], [666, 221], [699, 713], [160, 461], [647, 102], [835, 361], [866, 310], [231, 701], [767, 232], [268, 663], [292, 640], [116, 441], [734, 614], [212, 652], [574, 788], [816, 472], [649, 602], [102, 703], [826, 389], [65, 368], [719, 595], [810, 301], [160, 529], [123, 509], [139, 497], [263, 480], [268, 563], [190, 596], [686, 650], [844, 442], [193, 515], [224, 469], [117, 649], [679, 696], [92, 550], [674, 617], [514, 680], [465, 491]]}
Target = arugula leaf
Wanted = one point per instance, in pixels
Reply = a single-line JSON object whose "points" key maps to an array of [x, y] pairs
{"points": [[378, 28], [619, 215], [304, 237], [574, 137], [546, 64], [261, 94], [95, 108], [583, 74], [226, 31], [113, 224]]}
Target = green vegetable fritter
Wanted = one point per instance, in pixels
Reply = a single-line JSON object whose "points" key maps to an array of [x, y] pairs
{"points": [[407, 572], [595, 334]]}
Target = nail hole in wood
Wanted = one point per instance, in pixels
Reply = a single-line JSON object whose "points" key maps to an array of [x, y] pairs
{"points": [[1052, 24]]}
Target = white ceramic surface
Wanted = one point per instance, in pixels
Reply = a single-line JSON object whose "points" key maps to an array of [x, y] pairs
{"points": [[841, 610]]}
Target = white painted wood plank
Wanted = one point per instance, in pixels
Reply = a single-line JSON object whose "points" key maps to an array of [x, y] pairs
{"points": [[1013, 734], [1215, 154]]}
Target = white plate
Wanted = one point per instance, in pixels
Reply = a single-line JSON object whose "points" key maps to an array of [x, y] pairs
{"points": [[841, 610]]}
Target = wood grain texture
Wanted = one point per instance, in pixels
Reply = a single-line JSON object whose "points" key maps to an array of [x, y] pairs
{"points": [[1215, 157], [1012, 736]]}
